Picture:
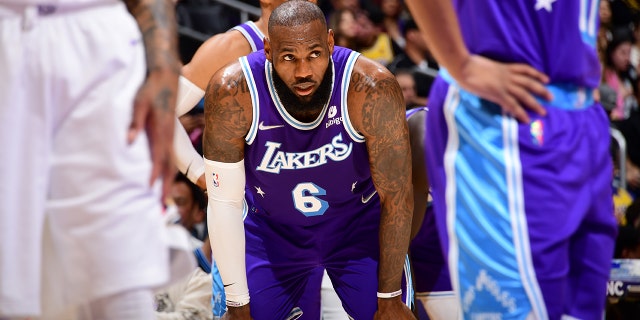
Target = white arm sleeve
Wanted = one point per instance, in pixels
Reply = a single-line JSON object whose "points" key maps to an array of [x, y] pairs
{"points": [[188, 160], [225, 186], [188, 96]]}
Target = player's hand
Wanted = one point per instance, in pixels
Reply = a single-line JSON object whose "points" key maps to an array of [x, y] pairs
{"points": [[514, 86], [234, 313], [154, 112], [393, 309]]}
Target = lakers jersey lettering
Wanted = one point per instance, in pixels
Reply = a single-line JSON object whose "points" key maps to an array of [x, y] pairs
{"points": [[274, 160]]}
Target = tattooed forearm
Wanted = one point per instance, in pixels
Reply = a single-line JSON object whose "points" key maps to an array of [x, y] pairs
{"points": [[165, 100], [384, 124], [226, 119], [157, 22]]}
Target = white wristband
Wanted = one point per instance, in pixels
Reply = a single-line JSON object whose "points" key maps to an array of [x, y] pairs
{"points": [[387, 295]]}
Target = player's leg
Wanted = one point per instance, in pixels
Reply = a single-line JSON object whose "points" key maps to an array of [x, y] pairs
{"points": [[439, 305], [559, 170], [593, 243], [25, 140], [284, 292], [488, 256], [104, 220], [356, 284], [331, 305], [431, 274], [284, 280]]}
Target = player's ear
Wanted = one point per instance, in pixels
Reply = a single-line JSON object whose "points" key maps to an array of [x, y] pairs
{"points": [[267, 48], [330, 41]]}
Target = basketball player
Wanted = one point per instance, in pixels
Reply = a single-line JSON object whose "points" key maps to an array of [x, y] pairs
{"points": [[430, 273], [319, 136], [214, 53], [211, 56], [85, 127], [518, 156]]}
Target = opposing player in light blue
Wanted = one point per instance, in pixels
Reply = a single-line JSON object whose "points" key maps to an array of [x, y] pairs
{"points": [[518, 156]]}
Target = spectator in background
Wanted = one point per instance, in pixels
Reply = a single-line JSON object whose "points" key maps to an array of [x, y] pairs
{"points": [[622, 11], [345, 28], [191, 297], [635, 48], [604, 31], [192, 205], [622, 77], [417, 58], [407, 83], [372, 41], [416, 54], [605, 14], [630, 129], [393, 22], [329, 7], [632, 214], [619, 74], [627, 243]]}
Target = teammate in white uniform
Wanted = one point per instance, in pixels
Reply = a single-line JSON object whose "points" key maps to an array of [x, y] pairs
{"points": [[84, 138]]}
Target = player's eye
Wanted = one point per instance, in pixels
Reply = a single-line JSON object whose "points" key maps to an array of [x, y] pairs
{"points": [[288, 57], [315, 54]]}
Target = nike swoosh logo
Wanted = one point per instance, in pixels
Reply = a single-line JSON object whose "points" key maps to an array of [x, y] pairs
{"points": [[261, 126], [230, 284], [365, 200]]}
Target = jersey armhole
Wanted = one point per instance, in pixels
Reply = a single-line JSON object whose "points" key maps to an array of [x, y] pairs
{"points": [[255, 101], [344, 90]]}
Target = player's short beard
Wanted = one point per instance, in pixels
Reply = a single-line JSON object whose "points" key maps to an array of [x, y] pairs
{"points": [[295, 104]]}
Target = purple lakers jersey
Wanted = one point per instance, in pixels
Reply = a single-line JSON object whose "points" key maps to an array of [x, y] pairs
{"points": [[254, 36], [519, 30], [305, 173]]}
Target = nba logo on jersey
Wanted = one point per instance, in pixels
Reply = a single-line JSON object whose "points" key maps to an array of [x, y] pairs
{"points": [[332, 112], [537, 132], [216, 179]]}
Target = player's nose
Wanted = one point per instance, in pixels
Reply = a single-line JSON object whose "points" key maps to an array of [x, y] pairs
{"points": [[303, 69]]}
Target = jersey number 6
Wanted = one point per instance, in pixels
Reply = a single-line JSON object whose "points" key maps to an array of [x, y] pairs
{"points": [[306, 201]]}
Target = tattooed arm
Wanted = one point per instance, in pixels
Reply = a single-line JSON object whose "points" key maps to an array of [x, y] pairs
{"points": [[155, 101], [228, 115], [376, 108]]}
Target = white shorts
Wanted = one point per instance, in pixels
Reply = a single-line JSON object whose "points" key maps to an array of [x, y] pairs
{"points": [[78, 219]]}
